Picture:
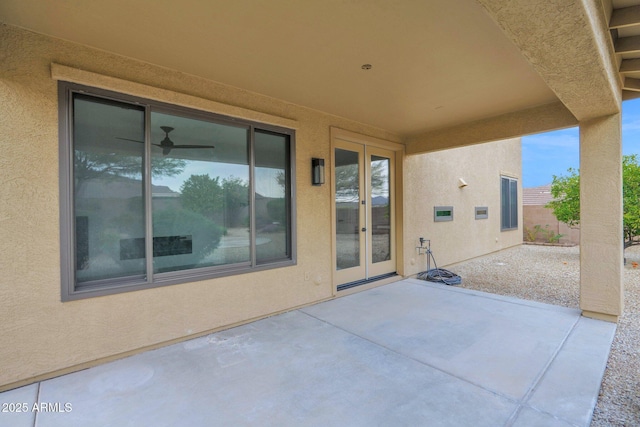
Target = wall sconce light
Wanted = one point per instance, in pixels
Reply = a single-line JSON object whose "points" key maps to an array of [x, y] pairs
{"points": [[317, 171], [462, 183]]}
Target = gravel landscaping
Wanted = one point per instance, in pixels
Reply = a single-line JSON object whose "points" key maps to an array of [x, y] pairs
{"points": [[551, 275]]}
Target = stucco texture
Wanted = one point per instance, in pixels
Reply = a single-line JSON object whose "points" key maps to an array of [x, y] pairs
{"points": [[432, 180], [38, 333], [601, 237]]}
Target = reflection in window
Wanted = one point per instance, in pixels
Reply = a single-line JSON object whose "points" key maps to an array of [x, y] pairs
{"points": [[108, 194], [380, 209], [205, 201], [347, 184], [156, 194], [272, 199]]}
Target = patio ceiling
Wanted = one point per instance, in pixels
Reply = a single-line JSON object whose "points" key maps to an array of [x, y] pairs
{"points": [[434, 64]]}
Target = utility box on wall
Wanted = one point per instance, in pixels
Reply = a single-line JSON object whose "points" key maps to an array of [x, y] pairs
{"points": [[442, 213]]}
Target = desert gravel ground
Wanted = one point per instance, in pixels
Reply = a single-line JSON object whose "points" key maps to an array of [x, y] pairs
{"points": [[550, 274]]}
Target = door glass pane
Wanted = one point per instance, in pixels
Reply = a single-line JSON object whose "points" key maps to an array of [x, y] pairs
{"points": [[347, 181], [108, 161], [200, 193], [273, 230], [380, 210]]}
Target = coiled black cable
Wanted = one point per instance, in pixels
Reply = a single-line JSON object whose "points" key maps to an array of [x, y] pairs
{"points": [[439, 274]]}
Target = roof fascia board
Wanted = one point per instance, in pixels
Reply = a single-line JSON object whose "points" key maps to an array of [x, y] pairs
{"points": [[511, 125]]}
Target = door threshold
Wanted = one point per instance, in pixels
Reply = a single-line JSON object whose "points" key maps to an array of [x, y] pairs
{"points": [[350, 285]]}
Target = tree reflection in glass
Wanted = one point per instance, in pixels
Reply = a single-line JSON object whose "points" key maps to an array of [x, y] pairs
{"points": [[380, 210], [108, 187], [347, 177], [200, 216], [273, 229]]}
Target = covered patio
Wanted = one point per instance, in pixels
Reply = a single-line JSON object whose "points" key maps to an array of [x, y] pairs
{"points": [[397, 80], [408, 353]]}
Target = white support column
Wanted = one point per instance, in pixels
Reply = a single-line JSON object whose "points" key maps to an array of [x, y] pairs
{"points": [[601, 238]]}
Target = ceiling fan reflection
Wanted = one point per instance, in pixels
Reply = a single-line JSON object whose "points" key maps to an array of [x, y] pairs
{"points": [[167, 144]]}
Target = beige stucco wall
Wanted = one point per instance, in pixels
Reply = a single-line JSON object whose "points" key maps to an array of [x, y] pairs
{"points": [[38, 333], [601, 251], [432, 180]]}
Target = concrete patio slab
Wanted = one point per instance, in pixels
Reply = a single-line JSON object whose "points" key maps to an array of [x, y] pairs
{"points": [[498, 345], [568, 388], [528, 417], [16, 407], [409, 353]]}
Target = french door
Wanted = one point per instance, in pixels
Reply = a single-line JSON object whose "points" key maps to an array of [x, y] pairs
{"points": [[364, 212]]}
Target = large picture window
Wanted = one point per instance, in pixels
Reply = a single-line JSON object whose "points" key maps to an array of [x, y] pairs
{"points": [[154, 194], [508, 203]]}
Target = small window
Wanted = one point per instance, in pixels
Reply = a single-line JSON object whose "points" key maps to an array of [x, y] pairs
{"points": [[482, 212], [155, 194], [508, 203], [443, 213]]}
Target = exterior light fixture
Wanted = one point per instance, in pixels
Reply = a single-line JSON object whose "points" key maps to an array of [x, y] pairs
{"points": [[317, 171], [462, 183]]}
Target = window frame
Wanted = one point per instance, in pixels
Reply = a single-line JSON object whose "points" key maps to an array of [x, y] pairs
{"points": [[507, 223], [69, 288], [442, 218], [479, 210]]}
